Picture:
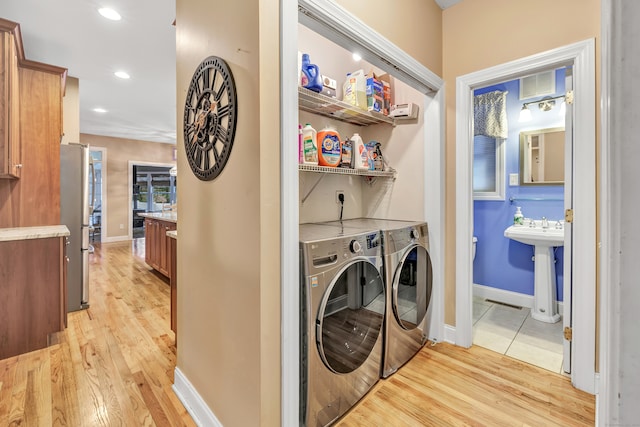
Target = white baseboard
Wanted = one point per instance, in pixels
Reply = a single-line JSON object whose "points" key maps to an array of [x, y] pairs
{"points": [[194, 404], [507, 297], [450, 334], [114, 239]]}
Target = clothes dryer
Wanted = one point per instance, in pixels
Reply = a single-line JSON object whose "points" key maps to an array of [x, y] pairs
{"points": [[409, 280], [341, 323]]}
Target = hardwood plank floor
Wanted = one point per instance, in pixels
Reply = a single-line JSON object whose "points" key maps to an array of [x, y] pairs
{"points": [[445, 385], [113, 365]]}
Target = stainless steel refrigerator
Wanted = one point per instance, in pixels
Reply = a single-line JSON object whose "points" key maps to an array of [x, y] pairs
{"points": [[75, 210]]}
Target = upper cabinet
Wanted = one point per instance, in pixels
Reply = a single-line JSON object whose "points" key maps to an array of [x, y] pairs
{"points": [[10, 152], [30, 132]]}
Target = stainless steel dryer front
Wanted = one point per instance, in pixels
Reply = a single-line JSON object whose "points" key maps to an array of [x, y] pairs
{"points": [[341, 322], [409, 280]]}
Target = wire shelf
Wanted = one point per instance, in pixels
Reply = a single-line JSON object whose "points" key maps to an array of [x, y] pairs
{"points": [[346, 171], [317, 103]]}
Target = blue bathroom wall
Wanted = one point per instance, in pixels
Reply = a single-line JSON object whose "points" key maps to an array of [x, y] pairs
{"points": [[501, 262]]}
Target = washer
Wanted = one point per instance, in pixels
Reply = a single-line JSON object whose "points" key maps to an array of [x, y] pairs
{"points": [[342, 317], [409, 280]]}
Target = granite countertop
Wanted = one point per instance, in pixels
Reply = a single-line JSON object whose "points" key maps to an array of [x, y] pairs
{"points": [[173, 234], [26, 233], [170, 216]]}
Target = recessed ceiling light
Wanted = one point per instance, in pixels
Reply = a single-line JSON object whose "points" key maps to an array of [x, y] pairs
{"points": [[357, 57], [109, 14], [99, 110], [122, 74]]}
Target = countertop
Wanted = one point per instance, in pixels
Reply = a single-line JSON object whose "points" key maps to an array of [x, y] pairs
{"points": [[162, 216], [26, 233], [173, 234]]}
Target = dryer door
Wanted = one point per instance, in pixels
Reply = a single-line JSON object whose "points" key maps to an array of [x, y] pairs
{"points": [[411, 291], [350, 317]]}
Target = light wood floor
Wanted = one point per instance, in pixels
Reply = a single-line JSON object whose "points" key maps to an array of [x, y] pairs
{"points": [[445, 385], [114, 366]]}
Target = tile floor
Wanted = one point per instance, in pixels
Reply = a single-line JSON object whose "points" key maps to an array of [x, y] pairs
{"points": [[512, 332]]}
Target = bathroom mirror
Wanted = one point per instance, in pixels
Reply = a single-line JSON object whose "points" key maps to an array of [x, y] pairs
{"points": [[542, 157]]}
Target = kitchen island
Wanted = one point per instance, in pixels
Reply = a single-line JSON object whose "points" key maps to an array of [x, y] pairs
{"points": [[32, 287], [156, 252]]}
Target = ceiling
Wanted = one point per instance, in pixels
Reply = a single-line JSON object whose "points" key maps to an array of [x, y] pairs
{"points": [[73, 35]]}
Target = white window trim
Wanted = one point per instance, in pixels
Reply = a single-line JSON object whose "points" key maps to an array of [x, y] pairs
{"points": [[497, 195]]}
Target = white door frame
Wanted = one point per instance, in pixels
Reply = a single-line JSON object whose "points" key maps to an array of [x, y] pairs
{"points": [[582, 56], [130, 189], [103, 191]]}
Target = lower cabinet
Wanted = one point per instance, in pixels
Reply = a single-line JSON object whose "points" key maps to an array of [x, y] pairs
{"points": [[173, 250], [32, 294], [157, 245]]}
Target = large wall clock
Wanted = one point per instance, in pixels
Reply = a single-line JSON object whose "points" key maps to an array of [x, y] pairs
{"points": [[210, 115]]}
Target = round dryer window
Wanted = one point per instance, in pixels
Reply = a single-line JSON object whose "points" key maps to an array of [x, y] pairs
{"points": [[411, 291], [350, 317]]}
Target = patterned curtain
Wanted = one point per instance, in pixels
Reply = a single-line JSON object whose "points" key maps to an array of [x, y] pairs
{"points": [[490, 114]]}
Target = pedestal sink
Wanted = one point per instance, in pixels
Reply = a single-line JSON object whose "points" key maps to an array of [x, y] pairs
{"points": [[543, 240]]}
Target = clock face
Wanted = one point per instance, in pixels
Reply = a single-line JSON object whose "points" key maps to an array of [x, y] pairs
{"points": [[210, 114]]}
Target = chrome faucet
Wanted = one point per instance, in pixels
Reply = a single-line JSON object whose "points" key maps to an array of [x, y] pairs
{"points": [[545, 222]]}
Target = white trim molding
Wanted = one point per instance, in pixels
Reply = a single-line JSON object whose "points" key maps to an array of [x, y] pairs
{"points": [[508, 297], [192, 401], [582, 56], [289, 183], [607, 402]]}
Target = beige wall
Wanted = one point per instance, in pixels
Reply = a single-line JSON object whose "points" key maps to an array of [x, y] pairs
{"points": [[228, 263], [229, 245], [482, 33], [71, 111], [116, 182], [413, 25]]}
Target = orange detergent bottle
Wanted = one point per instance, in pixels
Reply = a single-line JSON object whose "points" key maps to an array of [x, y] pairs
{"points": [[329, 147]]}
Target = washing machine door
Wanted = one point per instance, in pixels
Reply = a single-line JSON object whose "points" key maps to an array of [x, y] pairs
{"points": [[350, 317], [411, 290]]}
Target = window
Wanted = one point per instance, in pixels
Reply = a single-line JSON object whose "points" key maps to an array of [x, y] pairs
{"points": [[488, 168]]}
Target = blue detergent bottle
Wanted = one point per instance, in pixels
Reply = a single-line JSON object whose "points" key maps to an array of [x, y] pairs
{"points": [[310, 77]]}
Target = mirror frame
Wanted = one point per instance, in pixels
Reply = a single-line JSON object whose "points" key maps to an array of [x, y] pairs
{"points": [[521, 160]]}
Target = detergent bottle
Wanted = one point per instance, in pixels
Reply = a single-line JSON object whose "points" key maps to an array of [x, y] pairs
{"points": [[309, 145], [310, 76], [300, 146], [360, 154], [329, 148]]}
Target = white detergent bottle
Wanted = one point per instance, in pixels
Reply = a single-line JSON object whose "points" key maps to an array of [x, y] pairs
{"points": [[309, 145], [359, 155], [518, 218]]}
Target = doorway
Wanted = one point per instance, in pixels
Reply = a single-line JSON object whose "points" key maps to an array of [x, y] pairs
{"points": [[507, 180], [581, 57], [152, 188], [97, 172]]}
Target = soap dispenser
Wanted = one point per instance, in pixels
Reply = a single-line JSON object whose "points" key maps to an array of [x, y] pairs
{"points": [[518, 218]]}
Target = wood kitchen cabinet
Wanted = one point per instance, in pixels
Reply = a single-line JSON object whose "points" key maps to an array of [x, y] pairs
{"points": [[30, 131], [10, 152], [173, 261], [32, 294], [157, 245]]}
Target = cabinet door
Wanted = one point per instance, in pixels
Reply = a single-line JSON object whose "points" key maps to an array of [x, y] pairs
{"points": [[149, 241], [10, 153], [166, 247]]}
